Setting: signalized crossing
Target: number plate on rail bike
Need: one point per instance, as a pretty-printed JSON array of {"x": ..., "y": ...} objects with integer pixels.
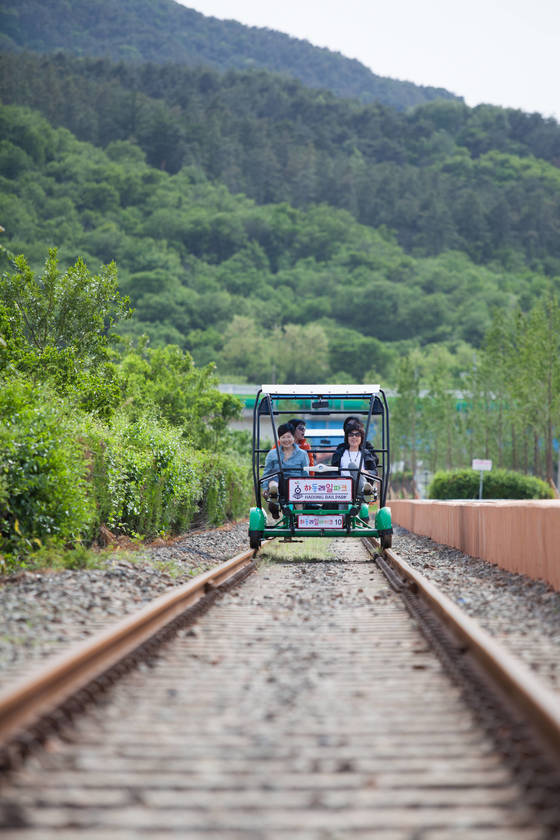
[
  {"x": 331, "y": 521},
  {"x": 315, "y": 489}
]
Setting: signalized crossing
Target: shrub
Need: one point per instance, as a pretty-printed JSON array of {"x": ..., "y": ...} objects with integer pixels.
[
  {"x": 227, "y": 487},
  {"x": 43, "y": 488},
  {"x": 60, "y": 479},
  {"x": 146, "y": 479},
  {"x": 140, "y": 470},
  {"x": 166, "y": 382},
  {"x": 497, "y": 484}
]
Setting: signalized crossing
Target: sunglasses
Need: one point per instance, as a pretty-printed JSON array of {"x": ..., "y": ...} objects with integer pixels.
[{"x": 354, "y": 434}]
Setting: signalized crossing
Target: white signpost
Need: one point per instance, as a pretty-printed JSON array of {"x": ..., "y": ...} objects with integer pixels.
[{"x": 482, "y": 465}]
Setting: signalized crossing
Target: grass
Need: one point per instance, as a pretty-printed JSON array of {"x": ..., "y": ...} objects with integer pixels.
[
  {"x": 55, "y": 557},
  {"x": 310, "y": 548},
  {"x": 58, "y": 558},
  {"x": 176, "y": 568}
]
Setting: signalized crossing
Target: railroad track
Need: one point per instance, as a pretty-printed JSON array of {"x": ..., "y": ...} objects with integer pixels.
[{"x": 305, "y": 704}]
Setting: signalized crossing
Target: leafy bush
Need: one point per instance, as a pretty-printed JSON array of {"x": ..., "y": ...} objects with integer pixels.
[
  {"x": 227, "y": 488},
  {"x": 497, "y": 484},
  {"x": 61, "y": 479},
  {"x": 139, "y": 469},
  {"x": 146, "y": 479},
  {"x": 43, "y": 488},
  {"x": 166, "y": 382},
  {"x": 240, "y": 441}
]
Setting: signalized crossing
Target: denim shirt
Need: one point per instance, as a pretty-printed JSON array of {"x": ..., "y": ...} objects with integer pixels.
[{"x": 294, "y": 467}]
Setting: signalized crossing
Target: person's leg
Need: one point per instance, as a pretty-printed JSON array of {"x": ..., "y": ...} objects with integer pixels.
[{"x": 271, "y": 496}]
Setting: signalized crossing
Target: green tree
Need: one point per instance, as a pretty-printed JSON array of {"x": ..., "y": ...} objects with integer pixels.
[
  {"x": 440, "y": 422},
  {"x": 538, "y": 371},
  {"x": 494, "y": 395},
  {"x": 71, "y": 311},
  {"x": 56, "y": 326},
  {"x": 302, "y": 353},
  {"x": 249, "y": 351},
  {"x": 406, "y": 416},
  {"x": 166, "y": 382}
]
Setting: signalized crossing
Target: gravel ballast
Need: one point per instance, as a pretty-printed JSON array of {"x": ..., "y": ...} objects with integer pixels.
[
  {"x": 521, "y": 613},
  {"x": 305, "y": 704},
  {"x": 43, "y": 613}
]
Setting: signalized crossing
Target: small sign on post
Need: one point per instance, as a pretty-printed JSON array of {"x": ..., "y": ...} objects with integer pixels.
[{"x": 482, "y": 465}]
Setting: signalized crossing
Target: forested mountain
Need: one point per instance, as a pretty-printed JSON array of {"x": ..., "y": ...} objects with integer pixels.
[
  {"x": 248, "y": 213},
  {"x": 303, "y": 293},
  {"x": 165, "y": 31},
  {"x": 272, "y": 228},
  {"x": 444, "y": 176}
]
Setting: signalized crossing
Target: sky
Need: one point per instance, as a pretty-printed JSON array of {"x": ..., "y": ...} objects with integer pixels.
[{"x": 502, "y": 52}]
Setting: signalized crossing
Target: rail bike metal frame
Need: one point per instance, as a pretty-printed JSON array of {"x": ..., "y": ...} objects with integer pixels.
[{"x": 273, "y": 402}]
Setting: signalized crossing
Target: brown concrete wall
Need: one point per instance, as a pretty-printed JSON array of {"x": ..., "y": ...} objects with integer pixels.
[{"x": 521, "y": 536}]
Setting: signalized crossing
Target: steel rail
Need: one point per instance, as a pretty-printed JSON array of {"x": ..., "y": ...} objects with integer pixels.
[
  {"x": 40, "y": 695},
  {"x": 514, "y": 678}
]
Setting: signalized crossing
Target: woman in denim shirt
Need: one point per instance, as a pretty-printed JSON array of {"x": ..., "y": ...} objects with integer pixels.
[{"x": 294, "y": 462}]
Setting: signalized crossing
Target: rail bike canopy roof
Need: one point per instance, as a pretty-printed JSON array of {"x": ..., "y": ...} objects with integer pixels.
[{"x": 320, "y": 390}]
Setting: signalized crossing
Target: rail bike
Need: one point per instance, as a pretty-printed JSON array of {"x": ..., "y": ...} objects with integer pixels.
[{"x": 326, "y": 500}]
